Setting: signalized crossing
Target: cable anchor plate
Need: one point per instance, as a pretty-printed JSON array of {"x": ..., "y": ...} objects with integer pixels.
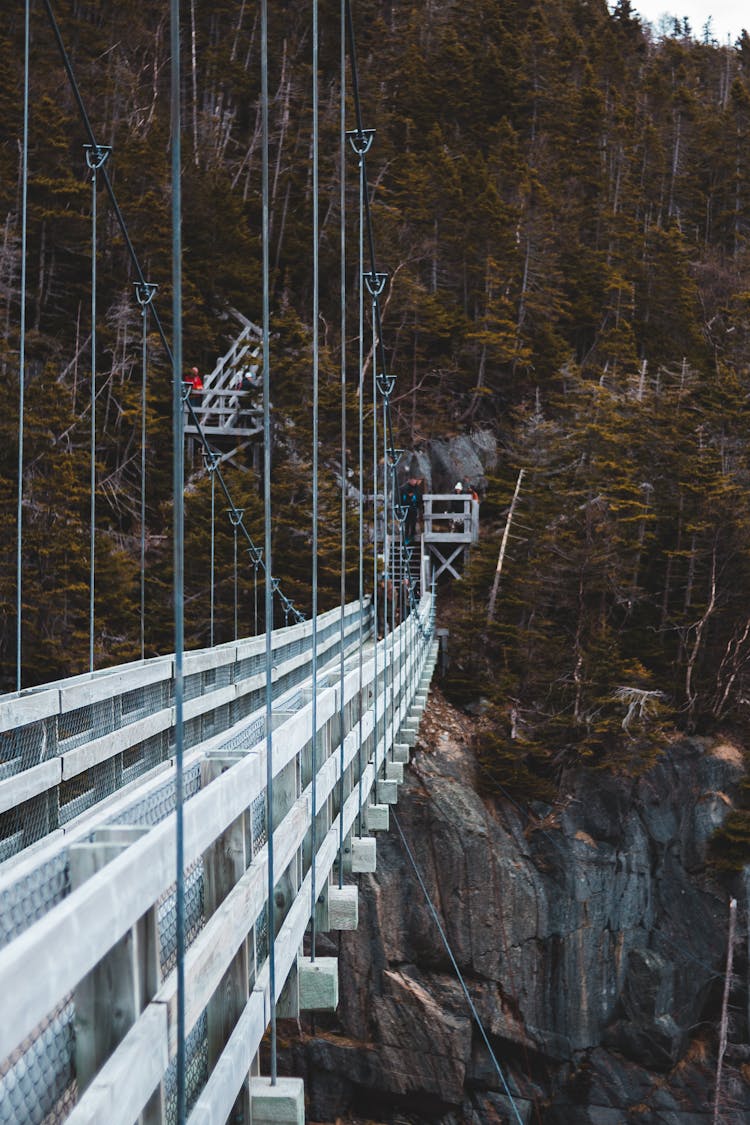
[
  {"x": 144, "y": 292},
  {"x": 375, "y": 283},
  {"x": 96, "y": 156},
  {"x": 360, "y": 140},
  {"x": 385, "y": 384}
]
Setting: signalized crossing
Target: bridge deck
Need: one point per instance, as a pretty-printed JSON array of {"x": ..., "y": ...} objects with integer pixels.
[{"x": 97, "y": 904}]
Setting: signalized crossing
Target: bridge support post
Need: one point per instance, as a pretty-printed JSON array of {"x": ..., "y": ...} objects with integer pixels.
[
  {"x": 224, "y": 864},
  {"x": 409, "y": 732},
  {"x": 318, "y": 984},
  {"x": 401, "y": 752},
  {"x": 377, "y": 818},
  {"x": 112, "y": 996},
  {"x": 337, "y": 908},
  {"x": 282, "y": 1104},
  {"x": 360, "y": 855},
  {"x": 387, "y": 791},
  {"x": 343, "y": 908},
  {"x": 394, "y": 771}
]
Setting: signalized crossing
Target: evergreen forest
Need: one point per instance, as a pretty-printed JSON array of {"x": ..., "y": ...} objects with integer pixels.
[{"x": 561, "y": 196}]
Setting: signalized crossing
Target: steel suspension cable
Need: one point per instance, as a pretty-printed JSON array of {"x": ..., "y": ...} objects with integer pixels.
[
  {"x": 287, "y": 605},
  {"x": 342, "y": 234},
  {"x": 315, "y": 380},
  {"x": 459, "y": 974},
  {"x": 178, "y": 488},
  {"x": 361, "y": 481},
  {"x": 144, "y": 368},
  {"x": 386, "y": 571},
  {"x": 22, "y": 344},
  {"x": 144, "y": 294},
  {"x": 375, "y": 576},
  {"x": 91, "y": 160},
  {"x": 267, "y": 536},
  {"x": 212, "y": 576}
]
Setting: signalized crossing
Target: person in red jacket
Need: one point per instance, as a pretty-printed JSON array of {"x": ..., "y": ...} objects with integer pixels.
[{"x": 195, "y": 381}]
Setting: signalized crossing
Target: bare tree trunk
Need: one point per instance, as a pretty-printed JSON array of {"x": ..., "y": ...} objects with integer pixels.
[
  {"x": 725, "y": 1008},
  {"x": 690, "y": 574},
  {"x": 503, "y": 547},
  {"x": 690, "y": 693},
  {"x": 413, "y": 380},
  {"x": 468, "y": 414},
  {"x": 285, "y": 88},
  {"x": 237, "y": 31},
  {"x": 194, "y": 67},
  {"x": 668, "y": 575}
]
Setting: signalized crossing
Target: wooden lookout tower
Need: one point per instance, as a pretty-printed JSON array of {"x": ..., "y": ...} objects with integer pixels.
[
  {"x": 451, "y": 526},
  {"x": 229, "y": 408}
]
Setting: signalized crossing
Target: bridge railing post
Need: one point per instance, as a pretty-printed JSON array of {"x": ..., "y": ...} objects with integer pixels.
[
  {"x": 224, "y": 864},
  {"x": 110, "y": 998}
]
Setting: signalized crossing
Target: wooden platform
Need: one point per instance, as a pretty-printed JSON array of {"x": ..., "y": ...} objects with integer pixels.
[
  {"x": 232, "y": 418},
  {"x": 451, "y": 525}
]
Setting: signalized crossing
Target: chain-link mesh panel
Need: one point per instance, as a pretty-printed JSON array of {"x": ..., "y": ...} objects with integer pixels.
[
  {"x": 261, "y": 937},
  {"x": 192, "y": 686},
  {"x": 75, "y": 727},
  {"x": 88, "y": 788},
  {"x": 37, "y": 1083},
  {"x": 26, "y": 746},
  {"x": 158, "y": 805},
  {"x": 249, "y": 666},
  {"x": 248, "y": 737},
  {"x": 33, "y": 896},
  {"x": 196, "y": 1070},
  {"x": 11, "y": 834},
  {"x": 144, "y": 756},
  {"x": 167, "y": 914},
  {"x": 143, "y": 701},
  {"x": 258, "y": 824},
  {"x": 191, "y": 735}
]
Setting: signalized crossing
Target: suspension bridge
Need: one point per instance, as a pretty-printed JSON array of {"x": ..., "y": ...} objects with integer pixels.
[{"x": 176, "y": 832}]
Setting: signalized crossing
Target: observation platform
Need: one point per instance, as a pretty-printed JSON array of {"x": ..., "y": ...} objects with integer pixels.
[
  {"x": 451, "y": 526},
  {"x": 229, "y": 416}
]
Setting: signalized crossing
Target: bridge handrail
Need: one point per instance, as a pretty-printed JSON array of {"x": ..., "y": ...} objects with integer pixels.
[
  {"x": 67, "y": 943},
  {"x": 448, "y": 515},
  {"x": 97, "y": 721}
]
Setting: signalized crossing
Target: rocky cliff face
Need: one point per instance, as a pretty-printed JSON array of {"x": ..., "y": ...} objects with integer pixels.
[
  {"x": 593, "y": 942},
  {"x": 466, "y": 457}
]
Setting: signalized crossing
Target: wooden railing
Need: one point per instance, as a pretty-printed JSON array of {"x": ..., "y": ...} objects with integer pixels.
[
  {"x": 66, "y": 746},
  {"x": 449, "y": 517},
  {"x": 97, "y": 959}
]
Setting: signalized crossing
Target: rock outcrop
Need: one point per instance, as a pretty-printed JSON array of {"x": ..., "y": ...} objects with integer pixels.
[
  {"x": 592, "y": 939},
  {"x": 466, "y": 457}
]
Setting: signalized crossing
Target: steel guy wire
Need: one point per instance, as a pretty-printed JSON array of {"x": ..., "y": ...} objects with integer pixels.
[
  {"x": 144, "y": 295},
  {"x": 315, "y": 381},
  {"x": 94, "y": 163},
  {"x": 375, "y": 575},
  {"x": 459, "y": 974},
  {"x": 342, "y": 232},
  {"x": 268, "y": 591},
  {"x": 144, "y": 367},
  {"x": 22, "y": 343},
  {"x": 361, "y": 482},
  {"x": 178, "y": 481},
  {"x": 386, "y": 571},
  {"x": 212, "y": 579},
  {"x": 141, "y": 278}
]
